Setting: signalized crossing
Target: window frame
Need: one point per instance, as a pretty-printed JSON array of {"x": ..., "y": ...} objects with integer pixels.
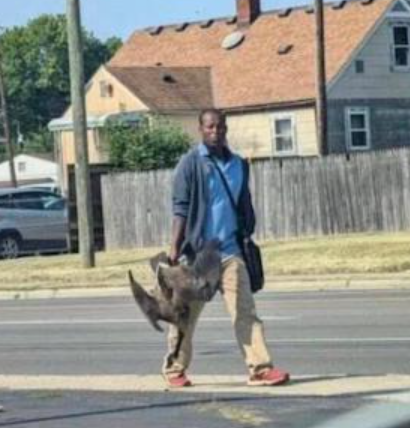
[
  {"x": 393, "y": 46},
  {"x": 106, "y": 89},
  {"x": 349, "y": 111},
  {"x": 283, "y": 116}
]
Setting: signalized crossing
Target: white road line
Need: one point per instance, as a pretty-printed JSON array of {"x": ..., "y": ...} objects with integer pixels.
[
  {"x": 330, "y": 340},
  {"x": 399, "y": 397},
  {"x": 260, "y": 303},
  {"x": 66, "y": 307},
  {"x": 119, "y": 321}
]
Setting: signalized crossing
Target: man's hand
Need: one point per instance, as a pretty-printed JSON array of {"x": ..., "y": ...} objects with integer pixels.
[
  {"x": 178, "y": 231},
  {"x": 173, "y": 256}
]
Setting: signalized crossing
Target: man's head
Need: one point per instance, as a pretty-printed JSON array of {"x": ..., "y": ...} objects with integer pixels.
[{"x": 212, "y": 126}]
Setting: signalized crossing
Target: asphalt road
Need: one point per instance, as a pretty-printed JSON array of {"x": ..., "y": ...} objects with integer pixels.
[
  {"x": 309, "y": 333},
  {"x": 314, "y": 334}
]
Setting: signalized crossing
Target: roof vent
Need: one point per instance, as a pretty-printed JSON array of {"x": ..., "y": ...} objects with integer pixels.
[
  {"x": 168, "y": 78},
  {"x": 233, "y": 40},
  {"x": 285, "y": 12},
  {"x": 367, "y": 2},
  {"x": 310, "y": 9},
  {"x": 232, "y": 20},
  {"x": 339, "y": 5},
  {"x": 182, "y": 27},
  {"x": 207, "y": 24},
  {"x": 155, "y": 30},
  {"x": 284, "y": 49}
]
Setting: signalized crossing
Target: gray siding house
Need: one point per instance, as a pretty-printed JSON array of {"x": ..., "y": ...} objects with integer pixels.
[{"x": 369, "y": 99}]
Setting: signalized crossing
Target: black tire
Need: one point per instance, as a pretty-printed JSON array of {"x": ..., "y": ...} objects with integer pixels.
[{"x": 10, "y": 245}]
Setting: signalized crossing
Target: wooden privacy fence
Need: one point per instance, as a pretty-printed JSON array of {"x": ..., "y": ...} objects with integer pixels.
[
  {"x": 96, "y": 172},
  {"x": 292, "y": 197},
  {"x": 137, "y": 209}
]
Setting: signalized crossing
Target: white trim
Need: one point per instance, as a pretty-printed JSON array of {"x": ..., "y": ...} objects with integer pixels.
[
  {"x": 348, "y": 128},
  {"x": 391, "y": 14},
  {"x": 63, "y": 124},
  {"x": 393, "y": 46},
  {"x": 283, "y": 116}
]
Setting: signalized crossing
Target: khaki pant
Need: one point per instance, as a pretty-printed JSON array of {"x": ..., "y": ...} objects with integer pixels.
[{"x": 248, "y": 327}]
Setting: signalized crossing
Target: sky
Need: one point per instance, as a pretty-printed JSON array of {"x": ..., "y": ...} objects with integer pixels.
[{"x": 106, "y": 18}]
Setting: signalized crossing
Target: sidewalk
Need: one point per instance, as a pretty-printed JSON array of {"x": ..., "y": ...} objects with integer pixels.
[
  {"x": 302, "y": 386},
  {"x": 288, "y": 283}
]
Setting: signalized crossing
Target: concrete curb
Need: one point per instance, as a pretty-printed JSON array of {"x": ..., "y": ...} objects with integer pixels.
[
  {"x": 308, "y": 385},
  {"x": 278, "y": 284}
]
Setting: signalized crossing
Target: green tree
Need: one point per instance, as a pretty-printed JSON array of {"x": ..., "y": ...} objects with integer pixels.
[
  {"x": 39, "y": 142},
  {"x": 36, "y": 69},
  {"x": 154, "y": 143}
]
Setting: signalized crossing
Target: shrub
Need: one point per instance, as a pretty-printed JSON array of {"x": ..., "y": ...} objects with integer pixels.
[{"x": 153, "y": 143}]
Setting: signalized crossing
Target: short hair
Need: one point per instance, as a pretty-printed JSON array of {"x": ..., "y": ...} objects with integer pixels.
[{"x": 213, "y": 111}]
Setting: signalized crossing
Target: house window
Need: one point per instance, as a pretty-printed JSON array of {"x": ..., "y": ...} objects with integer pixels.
[
  {"x": 283, "y": 134},
  {"x": 358, "y": 128},
  {"x": 359, "y": 66},
  {"x": 106, "y": 89},
  {"x": 401, "y": 47},
  {"x": 21, "y": 166}
]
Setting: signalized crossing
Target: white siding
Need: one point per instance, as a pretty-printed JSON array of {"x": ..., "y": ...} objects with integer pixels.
[
  {"x": 379, "y": 80},
  {"x": 29, "y": 168}
]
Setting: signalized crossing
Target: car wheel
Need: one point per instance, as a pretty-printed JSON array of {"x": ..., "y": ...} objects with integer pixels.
[{"x": 9, "y": 247}]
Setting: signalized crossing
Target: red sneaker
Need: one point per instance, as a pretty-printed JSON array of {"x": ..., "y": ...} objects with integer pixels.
[
  {"x": 177, "y": 380},
  {"x": 269, "y": 377}
]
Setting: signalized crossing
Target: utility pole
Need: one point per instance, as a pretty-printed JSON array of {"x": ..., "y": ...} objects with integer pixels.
[
  {"x": 5, "y": 124},
  {"x": 321, "y": 98},
  {"x": 82, "y": 173}
]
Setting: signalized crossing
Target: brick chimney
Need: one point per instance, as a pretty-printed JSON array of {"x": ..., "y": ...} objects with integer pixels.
[{"x": 247, "y": 11}]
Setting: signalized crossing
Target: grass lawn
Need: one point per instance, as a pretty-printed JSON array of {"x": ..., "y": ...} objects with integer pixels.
[
  {"x": 358, "y": 253},
  {"x": 347, "y": 254}
]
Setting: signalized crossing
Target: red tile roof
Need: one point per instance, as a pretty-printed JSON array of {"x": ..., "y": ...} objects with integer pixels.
[
  {"x": 254, "y": 73},
  {"x": 168, "y": 88}
]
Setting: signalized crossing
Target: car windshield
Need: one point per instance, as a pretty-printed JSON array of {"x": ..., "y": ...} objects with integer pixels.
[{"x": 54, "y": 204}]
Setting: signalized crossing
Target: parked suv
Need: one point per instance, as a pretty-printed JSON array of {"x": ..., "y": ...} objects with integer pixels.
[{"x": 32, "y": 221}]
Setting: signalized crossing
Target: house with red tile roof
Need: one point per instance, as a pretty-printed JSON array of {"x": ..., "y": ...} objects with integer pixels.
[{"x": 259, "y": 67}]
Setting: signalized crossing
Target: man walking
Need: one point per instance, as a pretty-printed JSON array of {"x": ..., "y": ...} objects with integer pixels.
[{"x": 203, "y": 211}]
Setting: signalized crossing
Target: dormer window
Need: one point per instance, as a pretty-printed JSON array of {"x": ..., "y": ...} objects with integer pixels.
[{"x": 401, "y": 47}]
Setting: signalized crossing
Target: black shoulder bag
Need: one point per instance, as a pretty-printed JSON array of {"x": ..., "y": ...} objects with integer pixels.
[{"x": 251, "y": 253}]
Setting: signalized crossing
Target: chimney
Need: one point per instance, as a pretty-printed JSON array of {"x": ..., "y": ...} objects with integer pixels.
[{"x": 247, "y": 11}]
